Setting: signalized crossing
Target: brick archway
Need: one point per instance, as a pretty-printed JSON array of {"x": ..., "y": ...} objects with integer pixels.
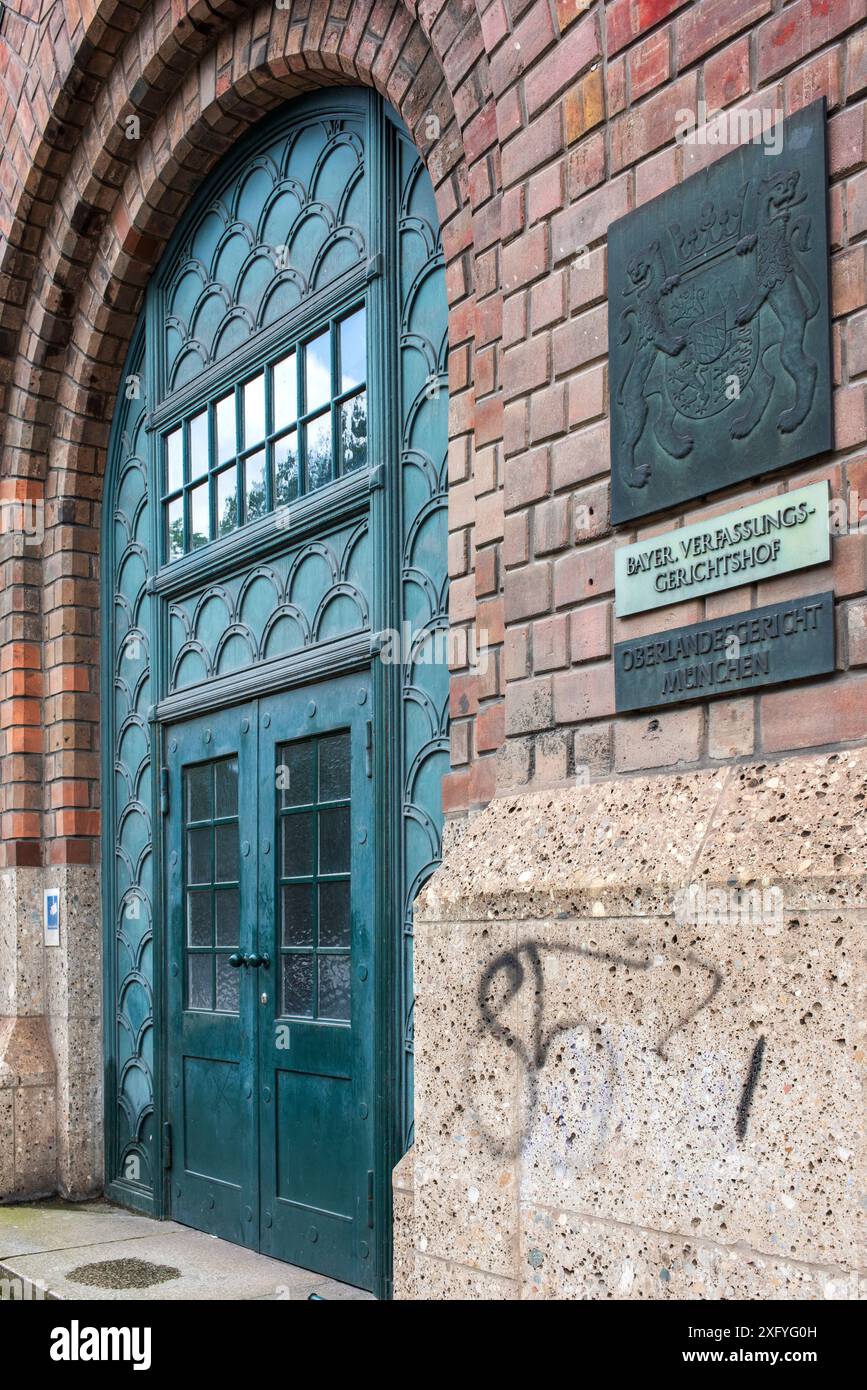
[
  {"x": 107, "y": 204},
  {"x": 85, "y": 231}
]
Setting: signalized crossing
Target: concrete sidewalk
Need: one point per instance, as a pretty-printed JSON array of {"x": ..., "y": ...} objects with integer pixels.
[{"x": 94, "y": 1250}]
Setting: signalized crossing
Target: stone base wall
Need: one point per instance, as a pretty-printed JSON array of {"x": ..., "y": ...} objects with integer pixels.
[
  {"x": 633, "y": 1080},
  {"x": 50, "y": 1036},
  {"x": 28, "y": 1097}
]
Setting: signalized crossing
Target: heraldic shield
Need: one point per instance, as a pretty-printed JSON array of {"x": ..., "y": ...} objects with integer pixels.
[{"x": 719, "y": 331}]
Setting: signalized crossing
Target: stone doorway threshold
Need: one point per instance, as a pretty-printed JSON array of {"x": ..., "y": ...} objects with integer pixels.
[{"x": 95, "y": 1250}]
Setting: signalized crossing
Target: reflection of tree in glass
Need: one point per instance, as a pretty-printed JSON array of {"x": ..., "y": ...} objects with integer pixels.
[
  {"x": 354, "y": 433},
  {"x": 256, "y": 499},
  {"x": 229, "y": 514},
  {"x": 176, "y": 536},
  {"x": 286, "y": 471}
]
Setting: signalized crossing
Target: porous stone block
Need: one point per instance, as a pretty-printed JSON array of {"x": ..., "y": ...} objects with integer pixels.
[
  {"x": 442, "y": 1279},
  {"x": 21, "y": 949},
  {"x": 465, "y": 1103},
  {"x": 35, "y": 1141},
  {"x": 403, "y": 1256},
  {"x": 7, "y": 1141},
  {"x": 74, "y": 998},
  {"x": 641, "y": 1004},
  {"x": 800, "y": 824},
  {"x": 695, "y": 1079},
  {"x": 51, "y": 1038},
  {"x": 610, "y": 847},
  {"x": 565, "y": 1256}
]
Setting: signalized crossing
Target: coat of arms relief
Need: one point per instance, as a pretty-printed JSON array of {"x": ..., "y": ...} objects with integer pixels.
[{"x": 719, "y": 337}]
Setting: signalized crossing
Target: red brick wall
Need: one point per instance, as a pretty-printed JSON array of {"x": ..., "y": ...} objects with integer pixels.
[
  {"x": 567, "y": 171},
  {"x": 554, "y": 116},
  {"x": 84, "y": 214}
]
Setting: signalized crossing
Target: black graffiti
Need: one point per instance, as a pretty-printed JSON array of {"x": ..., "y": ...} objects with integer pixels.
[
  {"x": 746, "y": 1099},
  {"x": 535, "y": 1055}
]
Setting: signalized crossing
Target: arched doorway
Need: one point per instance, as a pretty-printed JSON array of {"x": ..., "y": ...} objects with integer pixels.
[{"x": 275, "y": 691}]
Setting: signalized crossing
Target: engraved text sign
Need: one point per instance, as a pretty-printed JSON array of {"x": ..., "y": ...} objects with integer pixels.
[
  {"x": 767, "y": 538},
  {"x": 727, "y": 656}
]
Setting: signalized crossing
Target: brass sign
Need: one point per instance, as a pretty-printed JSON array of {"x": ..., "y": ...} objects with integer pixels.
[
  {"x": 727, "y": 656},
  {"x": 784, "y": 533}
]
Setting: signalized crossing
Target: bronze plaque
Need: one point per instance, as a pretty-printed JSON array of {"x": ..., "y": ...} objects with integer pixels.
[
  {"x": 727, "y": 656},
  {"x": 719, "y": 332}
]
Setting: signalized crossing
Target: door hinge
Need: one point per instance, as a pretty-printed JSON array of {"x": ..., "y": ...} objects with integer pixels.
[
  {"x": 368, "y": 748},
  {"x": 164, "y": 791},
  {"x": 370, "y": 1198},
  {"x": 167, "y": 1145}
]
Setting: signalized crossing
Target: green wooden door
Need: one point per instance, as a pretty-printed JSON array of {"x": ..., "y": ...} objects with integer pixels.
[
  {"x": 269, "y": 847},
  {"x": 316, "y": 1026},
  {"x": 211, "y": 917},
  {"x": 275, "y": 511}
]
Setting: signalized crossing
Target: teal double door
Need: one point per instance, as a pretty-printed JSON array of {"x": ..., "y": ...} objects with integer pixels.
[{"x": 270, "y": 956}]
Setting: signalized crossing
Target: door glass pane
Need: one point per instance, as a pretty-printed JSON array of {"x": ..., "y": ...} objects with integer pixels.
[
  {"x": 199, "y": 520},
  {"x": 228, "y": 916},
  {"x": 226, "y": 428},
  {"x": 254, "y": 484},
  {"x": 319, "y": 451},
  {"x": 228, "y": 986},
  {"x": 334, "y": 840},
  {"x": 199, "y": 445},
  {"x": 200, "y": 982},
  {"x": 298, "y": 914},
  {"x": 334, "y": 767},
  {"x": 316, "y": 914},
  {"x": 254, "y": 410},
  {"x": 213, "y": 914},
  {"x": 286, "y": 469},
  {"x": 297, "y": 844},
  {"x": 334, "y": 927},
  {"x": 199, "y": 918},
  {"x": 353, "y": 351},
  {"x": 227, "y": 787},
  {"x": 226, "y": 852},
  {"x": 295, "y": 765},
  {"x": 298, "y": 983},
  {"x": 199, "y": 855},
  {"x": 285, "y": 387},
  {"x": 199, "y": 784},
  {"x": 317, "y": 372},
  {"x": 333, "y": 986}
]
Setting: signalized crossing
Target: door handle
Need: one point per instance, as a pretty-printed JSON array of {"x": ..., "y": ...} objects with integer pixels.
[
  {"x": 237, "y": 959},
  {"x": 254, "y": 960}
]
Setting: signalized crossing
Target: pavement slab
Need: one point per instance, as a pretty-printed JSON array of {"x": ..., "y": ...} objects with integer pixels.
[{"x": 98, "y": 1251}]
